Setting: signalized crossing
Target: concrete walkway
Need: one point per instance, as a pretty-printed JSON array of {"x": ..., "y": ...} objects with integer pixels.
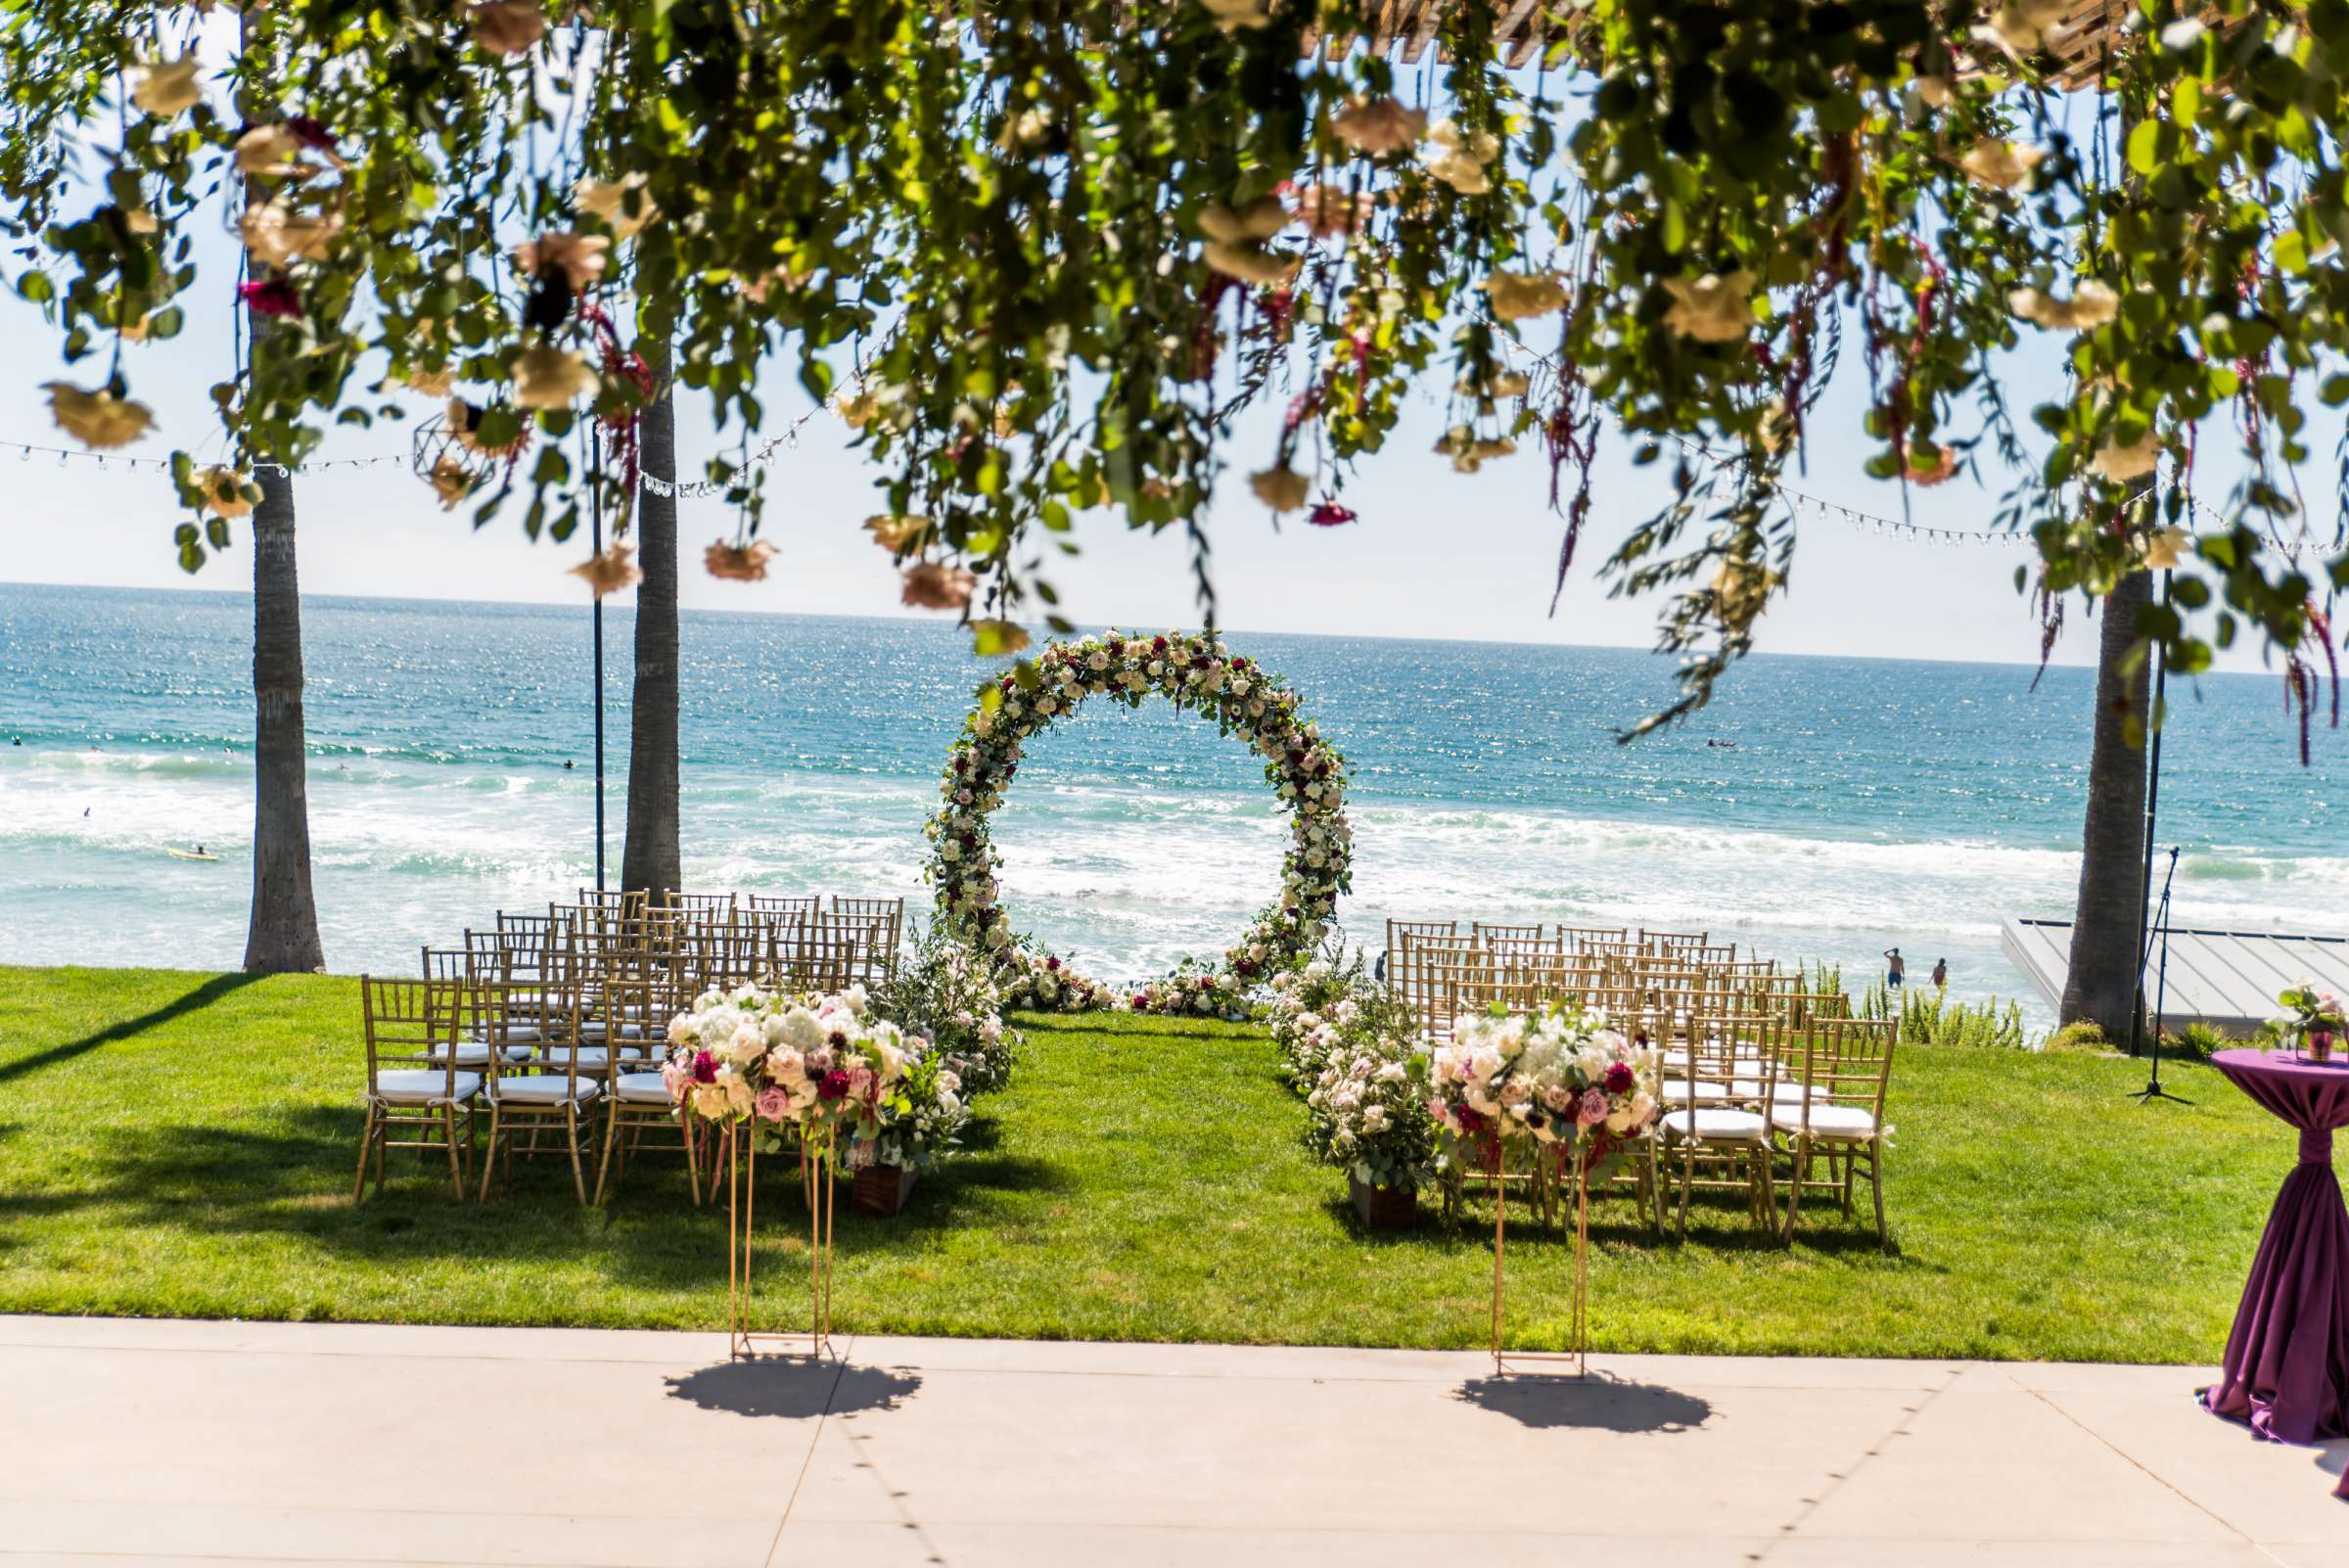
[{"x": 130, "y": 1442}]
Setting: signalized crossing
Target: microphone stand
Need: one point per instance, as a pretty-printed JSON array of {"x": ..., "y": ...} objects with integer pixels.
[{"x": 2161, "y": 990}]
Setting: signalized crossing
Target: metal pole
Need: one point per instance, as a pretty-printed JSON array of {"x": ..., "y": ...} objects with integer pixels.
[
  {"x": 2144, "y": 937},
  {"x": 595, "y": 524}
]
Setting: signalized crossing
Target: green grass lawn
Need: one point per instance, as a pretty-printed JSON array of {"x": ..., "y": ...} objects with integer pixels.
[{"x": 176, "y": 1143}]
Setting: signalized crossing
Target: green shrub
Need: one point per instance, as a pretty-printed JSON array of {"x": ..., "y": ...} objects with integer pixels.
[
  {"x": 1933, "y": 1019},
  {"x": 2196, "y": 1039},
  {"x": 2083, "y": 1035}
]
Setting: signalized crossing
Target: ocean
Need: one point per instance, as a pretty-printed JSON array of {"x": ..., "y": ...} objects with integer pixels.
[{"x": 1846, "y": 805}]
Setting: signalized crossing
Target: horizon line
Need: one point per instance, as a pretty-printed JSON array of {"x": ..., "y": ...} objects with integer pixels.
[{"x": 942, "y": 624}]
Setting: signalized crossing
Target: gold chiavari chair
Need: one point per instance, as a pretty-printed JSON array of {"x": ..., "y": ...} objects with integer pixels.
[
  {"x": 1716, "y": 1127},
  {"x": 889, "y": 932},
  {"x": 1501, "y": 933},
  {"x": 1839, "y": 1118},
  {"x": 1587, "y": 939},
  {"x": 1397, "y": 932},
  {"x": 620, "y": 901},
  {"x": 1803, "y": 1008},
  {"x": 637, "y": 1101},
  {"x": 1512, "y": 953},
  {"x": 545, "y": 1096},
  {"x": 1715, "y": 954},
  {"x": 1664, "y": 944},
  {"x": 830, "y": 954},
  {"x": 413, "y": 1082},
  {"x": 805, "y": 905},
  {"x": 714, "y": 906},
  {"x": 1406, "y": 973}
]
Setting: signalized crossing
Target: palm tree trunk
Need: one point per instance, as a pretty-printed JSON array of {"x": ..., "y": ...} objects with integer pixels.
[
  {"x": 283, "y": 933},
  {"x": 650, "y": 860},
  {"x": 2101, "y": 985}
]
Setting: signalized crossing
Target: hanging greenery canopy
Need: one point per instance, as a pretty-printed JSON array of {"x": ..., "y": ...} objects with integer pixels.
[{"x": 1042, "y": 253}]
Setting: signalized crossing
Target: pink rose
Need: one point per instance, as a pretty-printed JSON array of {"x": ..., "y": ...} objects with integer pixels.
[
  {"x": 1594, "y": 1108},
  {"x": 860, "y": 1081},
  {"x": 772, "y": 1102}
]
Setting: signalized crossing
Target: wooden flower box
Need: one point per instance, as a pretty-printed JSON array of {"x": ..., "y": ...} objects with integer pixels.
[
  {"x": 882, "y": 1190},
  {"x": 1384, "y": 1207}
]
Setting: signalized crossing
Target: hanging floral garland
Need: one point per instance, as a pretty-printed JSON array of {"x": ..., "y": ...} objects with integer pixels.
[{"x": 1193, "y": 671}]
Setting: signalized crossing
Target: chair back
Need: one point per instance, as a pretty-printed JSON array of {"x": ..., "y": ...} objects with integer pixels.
[
  {"x": 411, "y": 1026},
  {"x": 1848, "y": 1062}
]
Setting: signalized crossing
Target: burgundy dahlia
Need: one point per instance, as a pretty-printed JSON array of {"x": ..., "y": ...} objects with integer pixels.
[
  {"x": 271, "y": 297},
  {"x": 1620, "y": 1078},
  {"x": 705, "y": 1068},
  {"x": 833, "y": 1085}
]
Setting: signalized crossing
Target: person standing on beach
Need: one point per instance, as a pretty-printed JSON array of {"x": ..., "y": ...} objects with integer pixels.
[
  {"x": 1896, "y": 968},
  {"x": 1941, "y": 973}
]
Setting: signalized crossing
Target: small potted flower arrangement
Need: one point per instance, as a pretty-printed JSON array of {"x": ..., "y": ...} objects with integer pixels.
[
  {"x": 2316, "y": 1021},
  {"x": 1348, "y": 1048}
]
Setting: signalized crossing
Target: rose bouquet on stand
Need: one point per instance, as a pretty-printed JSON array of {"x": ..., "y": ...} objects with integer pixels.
[
  {"x": 1557, "y": 1095},
  {"x": 763, "y": 1066}
]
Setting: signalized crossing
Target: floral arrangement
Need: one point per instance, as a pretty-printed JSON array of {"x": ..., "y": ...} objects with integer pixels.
[
  {"x": 1192, "y": 671},
  {"x": 823, "y": 1065},
  {"x": 1559, "y": 1081},
  {"x": 944, "y": 991},
  {"x": 1044, "y": 983},
  {"x": 2317, "y": 1018},
  {"x": 1350, "y": 1051},
  {"x": 1194, "y": 987}
]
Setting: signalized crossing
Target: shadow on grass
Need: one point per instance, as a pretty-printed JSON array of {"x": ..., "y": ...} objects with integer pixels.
[
  {"x": 1594, "y": 1404},
  {"x": 204, "y": 995},
  {"x": 793, "y": 1388},
  {"x": 293, "y": 1177}
]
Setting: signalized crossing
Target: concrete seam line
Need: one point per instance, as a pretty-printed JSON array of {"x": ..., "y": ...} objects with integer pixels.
[
  {"x": 1899, "y": 1428},
  {"x": 2139, "y": 1466}
]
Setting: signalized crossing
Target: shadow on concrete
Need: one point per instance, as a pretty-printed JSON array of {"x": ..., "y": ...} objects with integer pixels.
[
  {"x": 1596, "y": 1402},
  {"x": 793, "y": 1388}
]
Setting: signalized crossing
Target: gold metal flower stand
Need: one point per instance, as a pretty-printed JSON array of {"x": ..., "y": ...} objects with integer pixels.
[
  {"x": 1578, "y": 1330},
  {"x": 815, "y": 1174}
]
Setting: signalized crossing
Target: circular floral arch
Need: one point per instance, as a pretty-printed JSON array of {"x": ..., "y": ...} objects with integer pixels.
[{"x": 1192, "y": 671}]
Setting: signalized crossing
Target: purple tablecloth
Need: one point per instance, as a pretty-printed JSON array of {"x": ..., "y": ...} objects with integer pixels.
[{"x": 2286, "y": 1371}]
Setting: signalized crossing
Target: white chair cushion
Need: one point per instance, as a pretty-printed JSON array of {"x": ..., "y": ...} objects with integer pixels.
[
  {"x": 1677, "y": 1091},
  {"x": 514, "y": 1034},
  {"x": 592, "y": 1058},
  {"x": 469, "y": 1054},
  {"x": 640, "y": 1088},
  {"x": 552, "y": 1090},
  {"x": 1826, "y": 1121},
  {"x": 1723, "y": 1124},
  {"x": 420, "y": 1087},
  {"x": 595, "y": 1030}
]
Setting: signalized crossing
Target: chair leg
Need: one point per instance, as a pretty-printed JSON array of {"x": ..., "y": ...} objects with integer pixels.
[
  {"x": 366, "y": 1148},
  {"x": 578, "y": 1178},
  {"x": 1875, "y": 1181},
  {"x": 448, "y": 1129},
  {"x": 693, "y": 1155},
  {"x": 489, "y": 1156},
  {"x": 1794, "y": 1184},
  {"x": 603, "y": 1167},
  {"x": 1687, "y": 1182},
  {"x": 1768, "y": 1159}
]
